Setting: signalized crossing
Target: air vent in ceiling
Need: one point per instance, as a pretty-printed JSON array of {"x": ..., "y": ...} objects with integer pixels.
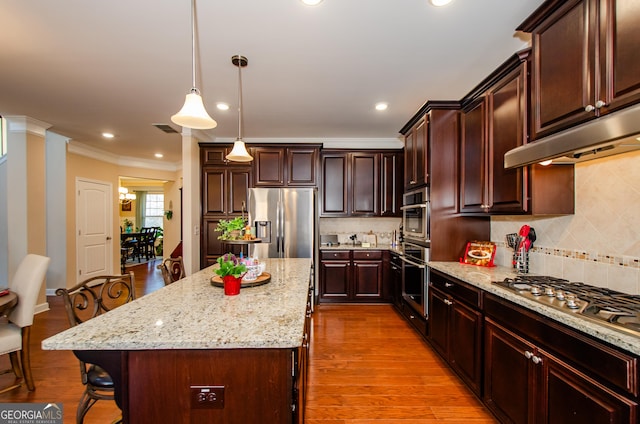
[{"x": 166, "y": 128}]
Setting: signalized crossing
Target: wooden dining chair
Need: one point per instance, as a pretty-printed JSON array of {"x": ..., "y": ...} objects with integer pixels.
[
  {"x": 172, "y": 270},
  {"x": 15, "y": 334},
  {"x": 87, "y": 300}
]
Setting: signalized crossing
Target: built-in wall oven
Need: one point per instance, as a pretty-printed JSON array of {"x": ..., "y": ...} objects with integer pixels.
[
  {"x": 415, "y": 278},
  {"x": 415, "y": 215}
]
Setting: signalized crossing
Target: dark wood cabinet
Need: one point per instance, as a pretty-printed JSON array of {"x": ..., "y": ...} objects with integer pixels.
[
  {"x": 285, "y": 166},
  {"x": 391, "y": 183},
  {"x": 360, "y": 183},
  {"x": 224, "y": 196},
  {"x": 494, "y": 121},
  {"x": 416, "y": 154},
  {"x": 540, "y": 372},
  {"x": 395, "y": 279},
  {"x": 585, "y": 61},
  {"x": 455, "y": 327},
  {"x": 352, "y": 276}
]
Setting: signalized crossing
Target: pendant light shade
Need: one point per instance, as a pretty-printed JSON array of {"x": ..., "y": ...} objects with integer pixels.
[
  {"x": 239, "y": 152},
  {"x": 193, "y": 114}
]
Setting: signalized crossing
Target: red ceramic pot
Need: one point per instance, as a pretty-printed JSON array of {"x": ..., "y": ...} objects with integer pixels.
[{"x": 231, "y": 285}]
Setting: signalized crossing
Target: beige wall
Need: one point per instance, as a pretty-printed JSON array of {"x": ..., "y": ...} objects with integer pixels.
[
  {"x": 600, "y": 243},
  {"x": 36, "y": 201},
  {"x": 83, "y": 167}
]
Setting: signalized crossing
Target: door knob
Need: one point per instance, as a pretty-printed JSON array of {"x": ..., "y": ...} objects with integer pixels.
[{"x": 108, "y": 237}]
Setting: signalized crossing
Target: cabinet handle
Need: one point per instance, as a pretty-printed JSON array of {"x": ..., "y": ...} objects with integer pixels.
[
  {"x": 449, "y": 284},
  {"x": 448, "y": 302},
  {"x": 589, "y": 108},
  {"x": 412, "y": 182},
  {"x": 528, "y": 354},
  {"x": 600, "y": 104},
  {"x": 536, "y": 360}
]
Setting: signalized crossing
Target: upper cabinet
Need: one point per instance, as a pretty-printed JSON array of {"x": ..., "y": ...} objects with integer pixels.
[
  {"x": 361, "y": 183},
  {"x": 494, "y": 121},
  {"x": 285, "y": 166},
  {"x": 416, "y": 153},
  {"x": 585, "y": 61}
]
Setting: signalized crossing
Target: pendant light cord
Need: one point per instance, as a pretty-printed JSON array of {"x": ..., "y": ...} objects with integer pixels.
[
  {"x": 239, "y": 98},
  {"x": 193, "y": 46}
]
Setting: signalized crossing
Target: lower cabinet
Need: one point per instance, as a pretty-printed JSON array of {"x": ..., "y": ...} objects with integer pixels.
[
  {"x": 351, "y": 276},
  {"x": 455, "y": 327},
  {"x": 536, "y": 372}
]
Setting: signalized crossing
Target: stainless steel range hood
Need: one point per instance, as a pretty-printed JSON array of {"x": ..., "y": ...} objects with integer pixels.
[{"x": 605, "y": 136}]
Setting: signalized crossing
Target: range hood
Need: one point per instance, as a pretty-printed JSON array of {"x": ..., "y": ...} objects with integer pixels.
[{"x": 611, "y": 134}]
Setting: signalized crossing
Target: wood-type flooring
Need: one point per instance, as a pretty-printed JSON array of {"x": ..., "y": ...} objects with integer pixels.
[{"x": 366, "y": 366}]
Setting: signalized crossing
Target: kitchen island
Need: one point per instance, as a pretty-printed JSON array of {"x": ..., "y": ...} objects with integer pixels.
[{"x": 167, "y": 348}]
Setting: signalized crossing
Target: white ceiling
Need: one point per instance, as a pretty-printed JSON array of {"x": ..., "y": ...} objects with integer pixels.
[{"x": 314, "y": 72}]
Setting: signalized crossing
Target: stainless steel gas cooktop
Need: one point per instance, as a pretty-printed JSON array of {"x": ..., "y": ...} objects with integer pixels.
[{"x": 617, "y": 310}]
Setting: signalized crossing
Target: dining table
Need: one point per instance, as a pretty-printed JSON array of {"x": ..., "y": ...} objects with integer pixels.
[{"x": 8, "y": 301}]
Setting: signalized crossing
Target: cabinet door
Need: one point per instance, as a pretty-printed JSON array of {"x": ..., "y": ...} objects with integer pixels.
[
  {"x": 465, "y": 344},
  {"x": 508, "y": 385},
  {"x": 334, "y": 185},
  {"x": 415, "y": 155},
  {"x": 507, "y": 109},
  {"x": 439, "y": 321},
  {"x": 570, "y": 396},
  {"x": 473, "y": 154},
  {"x": 619, "y": 58},
  {"x": 213, "y": 191},
  {"x": 563, "y": 68},
  {"x": 238, "y": 180},
  {"x": 390, "y": 185},
  {"x": 210, "y": 155},
  {"x": 301, "y": 166},
  {"x": 367, "y": 280},
  {"x": 269, "y": 166},
  {"x": 365, "y": 189},
  {"x": 334, "y": 280}
]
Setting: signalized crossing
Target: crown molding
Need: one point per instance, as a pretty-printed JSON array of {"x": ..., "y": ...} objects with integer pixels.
[{"x": 21, "y": 123}]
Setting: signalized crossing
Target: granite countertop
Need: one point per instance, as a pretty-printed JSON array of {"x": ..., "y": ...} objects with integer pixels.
[
  {"x": 193, "y": 314},
  {"x": 482, "y": 277},
  {"x": 349, "y": 246}
]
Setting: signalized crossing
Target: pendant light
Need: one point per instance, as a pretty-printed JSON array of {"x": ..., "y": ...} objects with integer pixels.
[
  {"x": 193, "y": 114},
  {"x": 239, "y": 152}
]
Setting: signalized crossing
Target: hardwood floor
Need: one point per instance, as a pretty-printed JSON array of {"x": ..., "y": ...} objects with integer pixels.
[{"x": 366, "y": 366}]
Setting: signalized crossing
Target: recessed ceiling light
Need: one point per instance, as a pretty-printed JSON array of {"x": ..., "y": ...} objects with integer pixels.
[
  {"x": 312, "y": 2},
  {"x": 439, "y": 3},
  {"x": 381, "y": 106},
  {"x": 107, "y": 135},
  {"x": 222, "y": 106},
  {"x": 158, "y": 155}
]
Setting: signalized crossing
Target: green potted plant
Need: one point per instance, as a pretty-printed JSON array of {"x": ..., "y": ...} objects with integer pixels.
[
  {"x": 231, "y": 229},
  {"x": 128, "y": 225},
  {"x": 231, "y": 270}
]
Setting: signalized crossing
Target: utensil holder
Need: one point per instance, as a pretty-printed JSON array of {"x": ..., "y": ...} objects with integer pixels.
[{"x": 521, "y": 261}]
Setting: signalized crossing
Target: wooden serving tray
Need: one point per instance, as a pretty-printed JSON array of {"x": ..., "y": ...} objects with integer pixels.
[{"x": 263, "y": 278}]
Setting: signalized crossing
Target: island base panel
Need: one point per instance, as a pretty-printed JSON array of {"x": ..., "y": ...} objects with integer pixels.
[{"x": 257, "y": 385}]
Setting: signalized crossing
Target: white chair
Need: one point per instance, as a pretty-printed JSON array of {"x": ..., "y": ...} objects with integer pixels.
[{"x": 16, "y": 333}]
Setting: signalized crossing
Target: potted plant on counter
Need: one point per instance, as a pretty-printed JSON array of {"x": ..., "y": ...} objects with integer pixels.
[
  {"x": 231, "y": 270},
  {"x": 231, "y": 229}
]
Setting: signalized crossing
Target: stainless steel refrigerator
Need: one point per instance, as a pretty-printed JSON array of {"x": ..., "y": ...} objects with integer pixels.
[{"x": 285, "y": 219}]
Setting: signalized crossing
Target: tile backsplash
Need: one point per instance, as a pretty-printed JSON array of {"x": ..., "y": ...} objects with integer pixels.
[
  {"x": 600, "y": 243},
  {"x": 345, "y": 227}
]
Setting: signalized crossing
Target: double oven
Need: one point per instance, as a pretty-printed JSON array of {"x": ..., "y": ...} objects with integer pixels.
[{"x": 415, "y": 247}]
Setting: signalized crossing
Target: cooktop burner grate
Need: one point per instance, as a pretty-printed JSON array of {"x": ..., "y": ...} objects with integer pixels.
[{"x": 610, "y": 307}]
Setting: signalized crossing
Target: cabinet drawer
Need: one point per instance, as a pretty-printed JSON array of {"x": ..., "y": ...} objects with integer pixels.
[
  {"x": 367, "y": 254},
  {"x": 334, "y": 254},
  {"x": 457, "y": 289}
]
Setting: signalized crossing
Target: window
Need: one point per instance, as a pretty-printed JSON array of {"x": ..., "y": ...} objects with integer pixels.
[
  {"x": 154, "y": 210},
  {"x": 3, "y": 138}
]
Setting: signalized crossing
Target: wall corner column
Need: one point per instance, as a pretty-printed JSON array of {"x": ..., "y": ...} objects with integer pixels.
[{"x": 190, "y": 201}]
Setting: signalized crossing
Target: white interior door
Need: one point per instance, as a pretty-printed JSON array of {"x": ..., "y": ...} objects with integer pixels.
[{"x": 93, "y": 229}]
